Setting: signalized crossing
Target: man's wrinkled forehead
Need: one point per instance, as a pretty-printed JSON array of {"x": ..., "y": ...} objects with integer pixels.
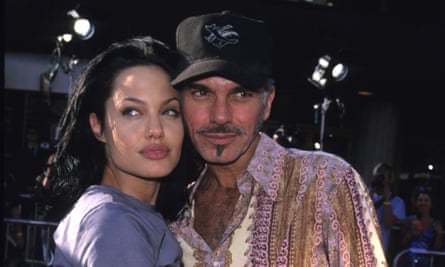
[{"x": 215, "y": 82}]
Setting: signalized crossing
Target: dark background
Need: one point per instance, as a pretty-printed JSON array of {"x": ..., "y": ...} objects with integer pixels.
[{"x": 393, "y": 48}]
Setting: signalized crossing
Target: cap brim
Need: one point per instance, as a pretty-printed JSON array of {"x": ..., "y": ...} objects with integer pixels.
[{"x": 243, "y": 75}]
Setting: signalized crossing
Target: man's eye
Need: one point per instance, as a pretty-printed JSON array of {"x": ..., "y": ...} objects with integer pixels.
[
  {"x": 244, "y": 93},
  {"x": 199, "y": 92}
]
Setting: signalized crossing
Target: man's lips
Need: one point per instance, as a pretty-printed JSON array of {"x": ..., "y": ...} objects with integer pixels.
[
  {"x": 155, "y": 152},
  {"x": 220, "y": 138}
]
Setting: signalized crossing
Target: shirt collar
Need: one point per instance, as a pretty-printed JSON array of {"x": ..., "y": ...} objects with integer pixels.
[
  {"x": 263, "y": 163},
  {"x": 261, "y": 167}
]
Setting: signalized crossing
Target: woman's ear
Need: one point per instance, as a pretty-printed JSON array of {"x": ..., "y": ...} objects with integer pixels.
[{"x": 96, "y": 127}]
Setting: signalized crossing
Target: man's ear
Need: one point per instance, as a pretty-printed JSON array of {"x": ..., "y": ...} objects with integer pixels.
[
  {"x": 96, "y": 127},
  {"x": 269, "y": 101}
]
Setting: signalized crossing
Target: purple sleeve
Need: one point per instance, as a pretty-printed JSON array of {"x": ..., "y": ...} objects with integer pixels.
[{"x": 111, "y": 237}]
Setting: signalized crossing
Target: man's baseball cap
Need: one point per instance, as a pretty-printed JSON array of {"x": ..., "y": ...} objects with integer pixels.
[{"x": 224, "y": 44}]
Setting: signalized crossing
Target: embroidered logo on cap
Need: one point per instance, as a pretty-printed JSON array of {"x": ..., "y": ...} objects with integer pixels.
[{"x": 221, "y": 36}]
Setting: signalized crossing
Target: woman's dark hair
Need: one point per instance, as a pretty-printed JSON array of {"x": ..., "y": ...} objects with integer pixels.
[
  {"x": 422, "y": 190},
  {"x": 80, "y": 157}
]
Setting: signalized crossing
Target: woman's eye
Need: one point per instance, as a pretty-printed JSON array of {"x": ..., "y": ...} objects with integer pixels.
[
  {"x": 171, "y": 112},
  {"x": 130, "y": 112}
]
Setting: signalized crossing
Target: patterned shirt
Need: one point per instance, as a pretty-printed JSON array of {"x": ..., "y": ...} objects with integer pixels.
[{"x": 296, "y": 208}]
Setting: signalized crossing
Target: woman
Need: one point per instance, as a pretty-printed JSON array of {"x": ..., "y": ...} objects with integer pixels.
[
  {"x": 120, "y": 134},
  {"x": 422, "y": 231}
]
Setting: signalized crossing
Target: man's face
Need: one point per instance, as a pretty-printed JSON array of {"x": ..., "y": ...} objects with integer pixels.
[{"x": 223, "y": 118}]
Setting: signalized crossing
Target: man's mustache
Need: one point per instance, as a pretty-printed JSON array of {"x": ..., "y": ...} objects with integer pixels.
[{"x": 220, "y": 129}]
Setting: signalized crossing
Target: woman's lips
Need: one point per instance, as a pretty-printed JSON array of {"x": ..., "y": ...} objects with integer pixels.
[{"x": 155, "y": 152}]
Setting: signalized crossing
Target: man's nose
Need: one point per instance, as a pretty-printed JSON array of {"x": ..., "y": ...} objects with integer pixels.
[{"x": 221, "y": 111}]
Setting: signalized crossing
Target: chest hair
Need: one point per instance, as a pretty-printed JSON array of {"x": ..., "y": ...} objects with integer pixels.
[{"x": 213, "y": 213}]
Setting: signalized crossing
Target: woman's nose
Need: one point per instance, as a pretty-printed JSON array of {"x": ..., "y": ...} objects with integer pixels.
[{"x": 153, "y": 129}]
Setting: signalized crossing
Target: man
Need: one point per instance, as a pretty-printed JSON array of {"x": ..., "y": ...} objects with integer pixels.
[
  {"x": 257, "y": 203},
  {"x": 390, "y": 208}
]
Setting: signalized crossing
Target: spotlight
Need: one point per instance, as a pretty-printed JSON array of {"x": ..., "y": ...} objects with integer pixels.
[
  {"x": 279, "y": 133},
  {"x": 339, "y": 72},
  {"x": 65, "y": 38},
  {"x": 328, "y": 70},
  {"x": 83, "y": 28},
  {"x": 317, "y": 146}
]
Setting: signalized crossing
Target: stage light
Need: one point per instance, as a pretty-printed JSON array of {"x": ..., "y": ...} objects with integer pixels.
[
  {"x": 317, "y": 146},
  {"x": 83, "y": 28},
  {"x": 279, "y": 133},
  {"x": 327, "y": 70},
  {"x": 339, "y": 72},
  {"x": 65, "y": 38}
]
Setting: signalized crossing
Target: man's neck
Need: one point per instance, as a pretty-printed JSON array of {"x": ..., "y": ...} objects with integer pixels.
[{"x": 221, "y": 176}]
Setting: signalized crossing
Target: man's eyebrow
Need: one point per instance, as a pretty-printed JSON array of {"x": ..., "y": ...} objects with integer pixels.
[
  {"x": 196, "y": 85},
  {"x": 199, "y": 86}
]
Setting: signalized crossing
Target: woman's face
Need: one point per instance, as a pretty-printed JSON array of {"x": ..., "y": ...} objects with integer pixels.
[
  {"x": 143, "y": 129},
  {"x": 423, "y": 202}
]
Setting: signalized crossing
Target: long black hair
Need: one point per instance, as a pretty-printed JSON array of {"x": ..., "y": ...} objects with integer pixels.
[{"x": 80, "y": 158}]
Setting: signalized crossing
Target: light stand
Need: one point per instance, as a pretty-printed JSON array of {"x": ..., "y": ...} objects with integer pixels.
[
  {"x": 82, "y": 29},
  {"x": 324, "y": 109},
  {"x": 325, "y": 72}
]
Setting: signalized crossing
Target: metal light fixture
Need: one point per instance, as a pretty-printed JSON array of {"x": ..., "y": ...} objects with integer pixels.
[
  {"x": 279, "y": 133},
  {"x": 83, "y": 28},
  {"x": 328, "y": 70}
]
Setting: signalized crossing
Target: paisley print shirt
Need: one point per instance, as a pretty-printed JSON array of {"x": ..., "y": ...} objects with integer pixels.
[{"x": 297, "y": 208}]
